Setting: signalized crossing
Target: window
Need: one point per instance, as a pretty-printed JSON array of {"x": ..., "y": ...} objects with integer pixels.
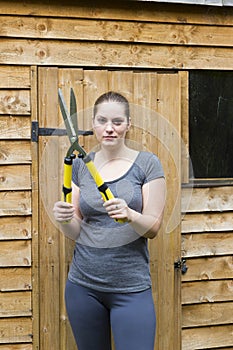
[{"x": 211, "y": 123}]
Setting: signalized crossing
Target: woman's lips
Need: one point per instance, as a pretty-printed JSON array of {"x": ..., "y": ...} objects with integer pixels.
[{"x": 109, "y": 137}]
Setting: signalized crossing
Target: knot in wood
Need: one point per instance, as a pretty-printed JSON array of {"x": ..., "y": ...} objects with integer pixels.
[{"x": 42, "y": 27}]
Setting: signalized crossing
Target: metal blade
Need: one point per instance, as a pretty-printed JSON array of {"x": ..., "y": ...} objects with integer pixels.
[
  {"x": 67, "y": 120},
  {"x": 73, "y": 110}
]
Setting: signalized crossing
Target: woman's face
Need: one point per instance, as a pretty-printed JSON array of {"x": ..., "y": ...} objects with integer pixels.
[{"x": 110, "y": 123}]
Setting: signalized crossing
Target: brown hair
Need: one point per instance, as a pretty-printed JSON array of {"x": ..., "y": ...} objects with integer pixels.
[{"x": 112, "y": 96}]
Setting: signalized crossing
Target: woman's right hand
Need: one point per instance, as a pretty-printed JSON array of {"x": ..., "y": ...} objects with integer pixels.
[{"x": 63, "y": 211}]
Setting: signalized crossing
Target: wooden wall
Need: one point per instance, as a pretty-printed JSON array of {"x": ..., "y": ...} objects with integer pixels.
[
  {"x": 120, "y": 36},
  {"x": 207, "y": 245},
  {"x": 133, "y": 34},
  {"x": 15, "y": 207}
]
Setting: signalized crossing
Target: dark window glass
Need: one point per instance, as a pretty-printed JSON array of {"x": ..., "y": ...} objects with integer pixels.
[{"x": 211, "y": 123}]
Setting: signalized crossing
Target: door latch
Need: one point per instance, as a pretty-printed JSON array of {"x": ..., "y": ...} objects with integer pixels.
[
  {"x": 181, "y": 264},
  {"x": 36, "y": 131}
]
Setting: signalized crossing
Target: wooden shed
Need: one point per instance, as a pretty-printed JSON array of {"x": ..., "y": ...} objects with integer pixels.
[{"x": 168, "y": 58}]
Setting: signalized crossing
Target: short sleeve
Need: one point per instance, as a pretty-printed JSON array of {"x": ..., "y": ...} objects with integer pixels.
[{"x": 153, "y": 168}]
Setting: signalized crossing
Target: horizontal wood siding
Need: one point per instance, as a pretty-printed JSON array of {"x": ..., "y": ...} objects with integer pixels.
[
  {"x": 15, "y": 209},
  {"x": 207, "y": 287},
  {"x": 152, "y": 36}
]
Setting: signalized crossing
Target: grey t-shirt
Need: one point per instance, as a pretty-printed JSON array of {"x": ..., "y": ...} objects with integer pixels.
[{"x": 110, "y": 256}]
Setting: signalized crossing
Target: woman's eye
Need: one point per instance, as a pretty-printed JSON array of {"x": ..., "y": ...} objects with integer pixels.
[
  {"x": 117, "y": 122},
  {"x": 114, "y": 121},
  {"x": 102, "y": 120}
]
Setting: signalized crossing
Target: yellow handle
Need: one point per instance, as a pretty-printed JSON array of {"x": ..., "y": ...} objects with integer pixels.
[
  {"x": 102, "y": 187},
  {"x": 67, "y": 178}
]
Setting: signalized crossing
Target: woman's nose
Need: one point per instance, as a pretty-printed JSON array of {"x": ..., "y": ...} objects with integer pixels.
[{"x": 109, "y": 126}]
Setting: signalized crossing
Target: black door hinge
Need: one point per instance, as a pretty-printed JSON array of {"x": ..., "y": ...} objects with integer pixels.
[
  {"x": 36, "y": 131},
  {"x": 181, "y": 264}
]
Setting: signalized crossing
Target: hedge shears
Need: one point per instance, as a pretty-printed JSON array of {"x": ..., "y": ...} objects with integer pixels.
[{"x": 71, "y": 124}]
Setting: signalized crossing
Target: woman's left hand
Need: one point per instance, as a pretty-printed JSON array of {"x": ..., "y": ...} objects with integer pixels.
[{"x": 117, "y": 208}]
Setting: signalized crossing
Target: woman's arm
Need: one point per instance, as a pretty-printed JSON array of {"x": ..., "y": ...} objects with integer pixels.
[
  {"x": 149, "y": 221},
  {"x": 68, "y": 215}
]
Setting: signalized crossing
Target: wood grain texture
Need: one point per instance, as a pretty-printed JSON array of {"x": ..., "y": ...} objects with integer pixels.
[
  {"x": 15, "y": 203},
  {"x": 122, "y": 10},
  {"x": 209, "y": 268},
  {"x": 208, "y": 199},
  {"x": 16, "y": 227},
  {"x": 16, "y": 255},
  {"x": 16, "y": 330},
  {"x": 208, "y": 337},
  {"x": 15, "y": 177},
  {"x": 14, "y": 76},
  {"x": 15, "y": 279},
  {"x": 24, "y": 346},
  {"x": 15, "y": 102},
  {"x": 118, "y": 55},
  {"x": 14, "y": 127},
  {"x": 15, "y": 304},
  {"x": 207, "y": 291},
  {"x": 207, "y": 244},
  {"x": 116, "y": 31},
  {"x": 208, "y": 314},
  {"x": 15, "y": 152}
]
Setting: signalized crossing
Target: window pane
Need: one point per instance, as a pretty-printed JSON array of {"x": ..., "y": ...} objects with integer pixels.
[{"x": 211, "y": 123}]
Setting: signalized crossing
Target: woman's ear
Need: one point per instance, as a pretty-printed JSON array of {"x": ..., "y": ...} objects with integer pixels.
[{"x": 129, "y": 124}]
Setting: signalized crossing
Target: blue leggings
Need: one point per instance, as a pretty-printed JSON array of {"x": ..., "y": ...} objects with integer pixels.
[{"x": 93, "y": 314}]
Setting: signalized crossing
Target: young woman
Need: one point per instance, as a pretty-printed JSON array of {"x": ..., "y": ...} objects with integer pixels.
[{"x": 109, "y": 285}]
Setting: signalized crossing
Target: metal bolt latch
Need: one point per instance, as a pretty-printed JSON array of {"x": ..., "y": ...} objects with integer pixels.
[{"x": 181, "y": 264}]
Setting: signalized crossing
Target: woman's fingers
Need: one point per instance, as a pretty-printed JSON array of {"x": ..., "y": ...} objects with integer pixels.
[
  {"x": 63, "y": 211},
  {"x": 116, "y": 208}
]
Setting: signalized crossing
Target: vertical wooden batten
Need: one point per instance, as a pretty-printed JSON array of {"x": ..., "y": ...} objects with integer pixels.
[
  {"x": 35, "y": 217},
  {"x": 49, "y": 294}
]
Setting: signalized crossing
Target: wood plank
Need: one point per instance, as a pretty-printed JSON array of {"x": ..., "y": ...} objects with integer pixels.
[
  {"x": 122, "y": 10},
  {"x": 15, "y": 278},
  {"x": 184, "y": 95},
  {"x": 16, "y": 346},
  {"x": 21, "y": 256},
  {"x": 15, "y": 177},
  {"x": 35, "y": 217},
  {"x": 16, "y": 330},
  {"x": 17, "y": 227},
  {"x": 95, "y": 84},
  {"x": 15, "y": 102},
  {"x": 207, "y": 291},
  {"x": 110, "y": 30},
  {"x": 207, "y": 337},
  {"x": 63, "y": 53},
  {"x": 209, "y": 268},
  {"x": 15, "y": 304},
  {"x": 49, "y": 244},
  {"x": 144, "y": 125},
  {"x": 15, "y": 152},
  {"x": 207, "y": 199},
  {"x": 210, "y": 222},
  {"x": 209, "y": 314},
  {"x": 206, "y": 244},
  {"x": 15, "y": 127},
  {"x": 14, "y": 76},
  {"x": 68, "y": 78},
  {"x": 15, "y": 203},
  {"x": 168, "y": 99}
]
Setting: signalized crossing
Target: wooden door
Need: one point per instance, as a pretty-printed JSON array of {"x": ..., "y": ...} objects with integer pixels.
[{"x": 156, "y": 112}]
